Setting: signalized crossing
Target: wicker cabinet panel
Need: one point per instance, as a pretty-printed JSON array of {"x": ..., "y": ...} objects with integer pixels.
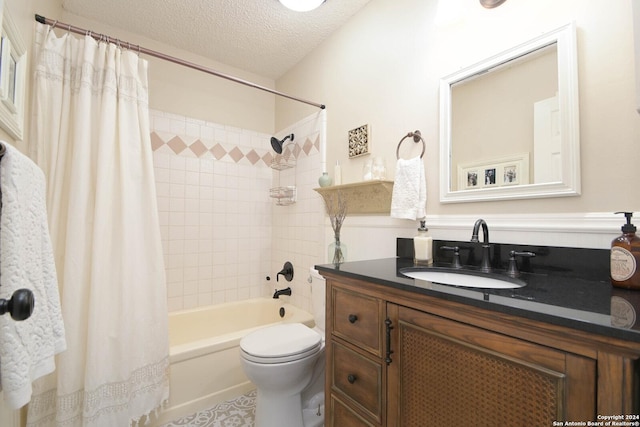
[
  {"x": 483, "y": 388},
  {"x": 358, "y": 378},
  {"x": 488, "y": 379},
  {"x": 357, "y": 319}
]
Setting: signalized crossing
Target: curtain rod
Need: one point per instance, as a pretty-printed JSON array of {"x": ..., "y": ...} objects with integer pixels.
[{"x": 160, "y": 55}]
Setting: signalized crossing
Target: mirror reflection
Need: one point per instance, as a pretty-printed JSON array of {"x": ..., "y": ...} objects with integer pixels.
[
  {"x": 509, "y": 124},
  {"x": 502, "y": 124}
]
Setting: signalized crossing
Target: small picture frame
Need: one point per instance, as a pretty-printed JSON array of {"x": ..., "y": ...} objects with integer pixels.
[
  {"x": 497, "y": 172},
  {"x": 490, "y": 176},
  {"x": 472, "y": 180},
  {"x": 359, "y": 140},
  {"x": 511, "y": 174}
]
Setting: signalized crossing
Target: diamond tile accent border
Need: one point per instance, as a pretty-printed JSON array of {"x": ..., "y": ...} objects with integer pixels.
[
  {"x": 218, "y": 152},
  {"x": 178, "y": 145},
  {"x": 198, "y": 148}
]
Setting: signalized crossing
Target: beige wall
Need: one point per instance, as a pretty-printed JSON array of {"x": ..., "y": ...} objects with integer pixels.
[{"x": 383, "y": 68}]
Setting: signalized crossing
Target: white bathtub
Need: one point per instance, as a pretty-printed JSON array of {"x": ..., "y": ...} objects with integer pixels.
[{"x": 205, "y": 352}]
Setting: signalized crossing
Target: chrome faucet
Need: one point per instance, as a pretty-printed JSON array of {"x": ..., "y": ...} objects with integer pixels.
[{"x": 485, "y": 265}]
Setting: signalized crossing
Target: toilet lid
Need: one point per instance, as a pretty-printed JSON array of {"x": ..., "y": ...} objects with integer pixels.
[{"x": 283, "y": 340}]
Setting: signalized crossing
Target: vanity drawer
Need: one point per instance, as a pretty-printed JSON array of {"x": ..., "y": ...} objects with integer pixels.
[
  {"x": 357, "y": 319},
  {"x": 343, "y": 416},
  {"x": 358, "y": 378}
]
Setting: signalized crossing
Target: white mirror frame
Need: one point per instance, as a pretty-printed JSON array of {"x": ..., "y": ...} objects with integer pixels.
[
  {"x": 12, "y": 81},
  {"x": 568, "y": 99}
]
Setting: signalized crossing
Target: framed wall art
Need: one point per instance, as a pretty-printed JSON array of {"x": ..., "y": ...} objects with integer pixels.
[{"x": 359, "y": 141}]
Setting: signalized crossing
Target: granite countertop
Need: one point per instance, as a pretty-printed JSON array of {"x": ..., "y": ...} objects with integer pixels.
[{"x": 589, "y": 304}]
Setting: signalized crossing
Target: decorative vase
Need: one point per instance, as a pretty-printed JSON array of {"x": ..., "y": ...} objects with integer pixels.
[
  {"x": 324, "y": 180},
  {"x": 337, "y": 251}
]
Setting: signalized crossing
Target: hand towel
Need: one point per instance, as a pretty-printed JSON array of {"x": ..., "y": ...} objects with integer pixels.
[
  {"x": 409, "y": 196},
  {"x": 27, "y": 348}
]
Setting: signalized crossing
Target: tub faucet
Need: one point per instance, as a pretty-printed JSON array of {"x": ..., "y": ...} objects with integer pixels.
[
  {"x": 278, "y": 292},
  {"x": 287, "y": 272},
  {"x": 485, "y": 265}
]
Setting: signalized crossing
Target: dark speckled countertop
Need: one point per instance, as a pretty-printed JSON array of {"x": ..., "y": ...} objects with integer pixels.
[{"x": 585, "y": 302}]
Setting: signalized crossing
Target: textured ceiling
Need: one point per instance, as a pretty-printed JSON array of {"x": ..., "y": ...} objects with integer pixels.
[{"x": 260, "y": 36}]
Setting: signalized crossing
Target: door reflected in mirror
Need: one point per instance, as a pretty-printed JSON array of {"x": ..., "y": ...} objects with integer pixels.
[{"x": 509, "y": 124}]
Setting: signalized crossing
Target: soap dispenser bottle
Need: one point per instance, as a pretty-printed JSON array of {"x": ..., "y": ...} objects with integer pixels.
[
  {"x": 625, "y": 257},
  {"x": 423, "y": 246}
]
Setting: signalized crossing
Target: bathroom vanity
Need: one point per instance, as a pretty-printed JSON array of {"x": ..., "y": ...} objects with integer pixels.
[{"x": 403, "y": 352}]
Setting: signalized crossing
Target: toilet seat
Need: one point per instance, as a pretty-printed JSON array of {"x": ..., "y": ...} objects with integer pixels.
[{"x": 280, "y": 343}]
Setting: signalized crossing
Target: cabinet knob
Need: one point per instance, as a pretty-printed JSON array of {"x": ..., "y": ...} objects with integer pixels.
[
  {"x": 351, "y": 378},
  {"x": 353, "y": 318}
]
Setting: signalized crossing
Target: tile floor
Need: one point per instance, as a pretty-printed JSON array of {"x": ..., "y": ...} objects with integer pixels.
[{"x": 238, "y": 412}]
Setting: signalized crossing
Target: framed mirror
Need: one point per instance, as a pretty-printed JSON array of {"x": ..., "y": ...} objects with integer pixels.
[{"x": 509, "y": 125}]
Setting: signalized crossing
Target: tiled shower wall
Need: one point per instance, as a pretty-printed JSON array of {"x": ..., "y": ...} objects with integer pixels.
[
  {"x": 222, "y": 234},
  {"x": 298, "y": 229}
]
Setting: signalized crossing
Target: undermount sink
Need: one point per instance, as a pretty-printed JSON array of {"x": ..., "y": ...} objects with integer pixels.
[{"x": 462, "y": 277}]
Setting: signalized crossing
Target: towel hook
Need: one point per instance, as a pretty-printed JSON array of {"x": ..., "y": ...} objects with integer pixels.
[
  {"x": 417, "y": 137},
  {"x": 20, "y": 306}
]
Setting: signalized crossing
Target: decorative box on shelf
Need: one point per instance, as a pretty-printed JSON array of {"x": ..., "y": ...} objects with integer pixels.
[{"x": 367, "y": 197}]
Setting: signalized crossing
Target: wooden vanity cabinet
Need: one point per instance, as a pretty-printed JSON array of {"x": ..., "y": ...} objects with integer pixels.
[{"x": 396, "y": 358}]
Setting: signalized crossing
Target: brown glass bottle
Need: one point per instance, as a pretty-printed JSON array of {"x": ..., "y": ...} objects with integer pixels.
[{"x": 625, "y": 257}]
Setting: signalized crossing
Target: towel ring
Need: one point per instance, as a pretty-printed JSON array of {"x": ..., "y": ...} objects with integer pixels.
[{"x": 417, "y": 137}]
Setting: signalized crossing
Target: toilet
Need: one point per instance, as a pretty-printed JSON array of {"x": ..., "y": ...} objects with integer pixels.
[{"x": 286, "y": 363}]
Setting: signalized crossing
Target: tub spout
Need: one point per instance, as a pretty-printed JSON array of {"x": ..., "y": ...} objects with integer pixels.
[{"x": 278, "y": 292}]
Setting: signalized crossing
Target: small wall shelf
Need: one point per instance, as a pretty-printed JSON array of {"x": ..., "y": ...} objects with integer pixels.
[{"x": 367, "y": 197}]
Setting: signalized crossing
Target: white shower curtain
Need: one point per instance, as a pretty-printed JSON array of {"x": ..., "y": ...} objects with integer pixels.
[{"x": 90, "y": 135}]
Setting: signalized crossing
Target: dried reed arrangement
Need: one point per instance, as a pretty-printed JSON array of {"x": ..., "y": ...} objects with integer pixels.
[{"x": 336, "y": 207}]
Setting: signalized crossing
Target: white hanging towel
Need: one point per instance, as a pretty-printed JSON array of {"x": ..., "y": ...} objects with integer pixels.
[
  {"x": 27, "y": 348},
  {"x": 409, "y": 196}
]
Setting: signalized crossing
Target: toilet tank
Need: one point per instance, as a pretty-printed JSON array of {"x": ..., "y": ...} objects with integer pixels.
[{"x": 318, "y": 300}]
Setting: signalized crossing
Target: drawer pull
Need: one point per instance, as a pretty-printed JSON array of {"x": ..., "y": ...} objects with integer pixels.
[
  {"x": 389, "y": 351},
  {"x": 353, "y": 318},
  {"x": 351, "y": 378}
]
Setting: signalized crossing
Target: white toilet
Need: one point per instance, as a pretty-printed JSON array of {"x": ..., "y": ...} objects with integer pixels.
[{"x": 286, "y": 363}]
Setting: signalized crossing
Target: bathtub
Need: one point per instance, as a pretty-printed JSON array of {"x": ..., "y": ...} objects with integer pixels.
[{"x": 205, "y": 353}]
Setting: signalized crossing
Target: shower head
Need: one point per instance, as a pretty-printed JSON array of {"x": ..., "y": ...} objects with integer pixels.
[{"x": 278, "y": 144}]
